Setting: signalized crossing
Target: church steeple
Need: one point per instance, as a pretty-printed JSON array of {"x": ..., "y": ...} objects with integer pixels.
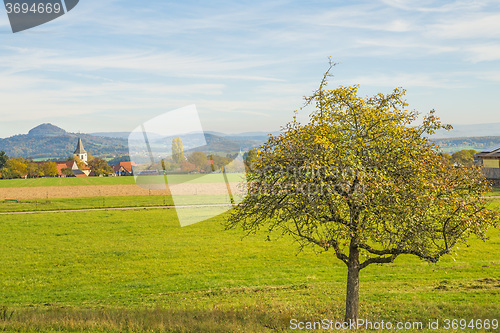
[{"x": 80, "y": 151}]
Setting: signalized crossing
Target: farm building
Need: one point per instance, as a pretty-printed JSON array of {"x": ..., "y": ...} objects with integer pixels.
[
  {"x": 123, "y": 169},
  {"x": 65, "y": 168},
  {"x": 61, "y": 165},
  {"x": 490, "y": 160}
]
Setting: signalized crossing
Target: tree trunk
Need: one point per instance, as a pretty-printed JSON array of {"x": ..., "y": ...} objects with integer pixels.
[{"x": 352, "y": 296}]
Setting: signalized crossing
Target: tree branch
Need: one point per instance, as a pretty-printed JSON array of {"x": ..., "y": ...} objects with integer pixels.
[
  {"x": 378, "y": 260},
  {"x": 399, "y": 251},
  {"x": 319, "y": 92},
  {"x": 338, "y": 252}
]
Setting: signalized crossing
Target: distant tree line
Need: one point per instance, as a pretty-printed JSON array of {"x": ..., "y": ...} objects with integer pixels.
[
  {"x": 472, "y": 142},
  {"x": 462, "y": 158},
  {"x": 201, "y": 162},
  {"x": 196, "y": 162},
  {"x": 18, "y": 167}
]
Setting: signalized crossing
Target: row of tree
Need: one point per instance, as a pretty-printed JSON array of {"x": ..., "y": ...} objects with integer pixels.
[
  {"x": 197, "y": 162},
  {"x": 462, "y": 158},
  {"x": 18, "y": 167}
]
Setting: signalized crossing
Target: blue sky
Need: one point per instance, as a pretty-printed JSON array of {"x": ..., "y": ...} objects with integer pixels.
[{"x": 111, "y": 65}]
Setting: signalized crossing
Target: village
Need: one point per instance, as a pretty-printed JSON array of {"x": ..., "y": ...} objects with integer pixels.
[
  {"x": 83, "y": 164},
  {"x": 80, "y": 164}
]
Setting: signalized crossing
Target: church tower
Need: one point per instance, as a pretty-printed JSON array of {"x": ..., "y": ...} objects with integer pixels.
[{"x": 80, "y": 151}]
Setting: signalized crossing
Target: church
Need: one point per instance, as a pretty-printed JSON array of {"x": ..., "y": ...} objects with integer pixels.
[
  {"x": 70, "y": 168},
  {"x": 80, "y": 152}
]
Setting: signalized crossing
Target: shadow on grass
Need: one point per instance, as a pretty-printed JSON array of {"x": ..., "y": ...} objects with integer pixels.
[
  {"x": 143, "y": 320},
  {"x": 219, "y": 318}
]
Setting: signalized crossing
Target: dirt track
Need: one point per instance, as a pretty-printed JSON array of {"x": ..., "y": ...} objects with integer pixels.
[{"x": 52, "y": 192}]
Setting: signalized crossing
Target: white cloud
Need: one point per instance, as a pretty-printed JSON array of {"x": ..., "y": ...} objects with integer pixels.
[
  {"x": 239, "y": 61},
  {"x": 407, "y": 80},
  {"x": 467, "y": 26},
  {"x": 367, "y": 17},
  {"x": 433, "y": 5},
  {"x": 414, "y": 47},
  {"x": 490, "y": 76},
  {"x": 157, "y": 63},
  {"x": 483, "y": 52}
]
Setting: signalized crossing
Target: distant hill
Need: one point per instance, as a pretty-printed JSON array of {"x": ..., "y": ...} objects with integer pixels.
[
  {"x": 451, "y": 145},
  {"x": 48, "y": 141},
  {"x": 122, "y": 135},
  {"x": 46, "y": 130},
  {"x": 473, "y": 130},
  {"x": 250, "y": 136},
  {"x": 161, "y": 146}
]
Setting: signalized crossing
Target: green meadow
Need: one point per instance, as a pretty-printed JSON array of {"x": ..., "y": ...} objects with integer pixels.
[
  {"x": 83, "y": 181},
  {"x": 40, "y": 205},
  {"x": 66, "y": 181},
  {"x": 139, "y": 271}
]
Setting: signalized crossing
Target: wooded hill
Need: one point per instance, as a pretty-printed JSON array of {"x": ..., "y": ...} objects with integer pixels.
[
  {"x": 451, "y": 145},
  {"x": 49, "y": 142}
]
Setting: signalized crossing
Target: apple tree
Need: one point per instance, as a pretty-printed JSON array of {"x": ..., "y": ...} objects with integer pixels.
[{"x": 363, "y": 181}]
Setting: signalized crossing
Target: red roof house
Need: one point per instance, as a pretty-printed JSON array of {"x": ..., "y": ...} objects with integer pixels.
[{"x": 123, "y": 169}]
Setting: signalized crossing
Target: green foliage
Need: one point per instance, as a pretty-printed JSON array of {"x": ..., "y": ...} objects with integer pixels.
[
  {"x": 50, "y": 169},
  {"x": 99, "y": 166},
  {"x": 251, "y": 159},
  {"x": 199, "y": 159},
  {"x": 362, "y": 180},
  {"x": 3, "y": 159},
  {"x": 358, "y": 172},
  {"x": 219, "y": 161},
  {"x": 463, "y": 158},
  {"x": 177, "y": 150},
  {"x": 68, "y": 172},
  {"x": 34, "y": 170},
  {"x": 15, "y": 167},
  {"x": 41, "y": 169},
  {"x": 117, "y": 160},
  {"x": 446, "y": 156}
]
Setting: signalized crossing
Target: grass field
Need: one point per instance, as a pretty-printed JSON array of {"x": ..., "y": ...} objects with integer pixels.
[
  {"x": 138, "y": 271},
  {"x": 495, "y": 192},
  {"x": 82, "y": 181},
  {"x": 41, "y": 205},
  {"x": 85, "y": 203},
  {"x": 116, "y": 271}
]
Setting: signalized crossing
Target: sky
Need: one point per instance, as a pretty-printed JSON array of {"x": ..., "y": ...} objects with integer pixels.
[{"x": 112, "y": 65}]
